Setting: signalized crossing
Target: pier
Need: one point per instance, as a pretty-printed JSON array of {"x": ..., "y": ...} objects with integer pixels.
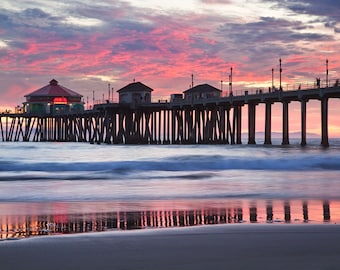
[{"x": 216, "y": 120}]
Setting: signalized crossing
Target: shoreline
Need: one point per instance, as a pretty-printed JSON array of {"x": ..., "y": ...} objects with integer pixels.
[{"x": 243, "y": 246}]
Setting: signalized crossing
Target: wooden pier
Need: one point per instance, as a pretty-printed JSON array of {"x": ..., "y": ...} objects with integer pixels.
[{"x": 203, "y": 121}]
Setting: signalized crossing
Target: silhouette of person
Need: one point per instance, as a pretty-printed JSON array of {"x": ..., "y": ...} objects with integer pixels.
[{"x": 318, "y": 82}]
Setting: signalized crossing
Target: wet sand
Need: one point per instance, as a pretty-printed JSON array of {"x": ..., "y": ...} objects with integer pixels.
[{"x": 238, "y": 246}]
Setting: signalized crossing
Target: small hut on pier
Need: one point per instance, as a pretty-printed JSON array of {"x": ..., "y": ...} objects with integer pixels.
[
  {"x": 135, "y": 93},
  {"x": 53, "y": 99},
  {"x": 202, "y": 91}
]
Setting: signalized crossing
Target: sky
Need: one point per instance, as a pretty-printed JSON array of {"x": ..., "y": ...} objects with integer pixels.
[{"x": 86, "y": 45}]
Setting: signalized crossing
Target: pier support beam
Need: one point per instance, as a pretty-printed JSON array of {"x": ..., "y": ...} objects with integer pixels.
[
  {"x": 303, "y": 122},
  {"x": 173, "y": 126},
  {"x": 233, "y": 126},
  {"x": 251, "y": 123},
  {"x": 285, "y": 128},
  {"x": 268, "y": 124},
  {"x": 229, "y": 130},
  {"x": 239, "y": 126},
  {"x": 238, "y": 123},
  {"x": 324, "y": 122}
]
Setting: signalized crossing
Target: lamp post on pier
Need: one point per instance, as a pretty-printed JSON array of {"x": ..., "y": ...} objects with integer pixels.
[
  {"x": 272, "y": 79},
  {"x": 231, "y": 82},
  {"x": 326, "y": 72},
  {"x": 280, "y": 74}
]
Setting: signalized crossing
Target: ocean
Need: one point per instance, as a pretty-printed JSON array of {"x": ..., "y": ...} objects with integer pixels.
[{"x": 55, "y": 188}]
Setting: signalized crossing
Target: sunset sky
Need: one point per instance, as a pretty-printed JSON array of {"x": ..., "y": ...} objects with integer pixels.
[{"x": 87, "y": 44}]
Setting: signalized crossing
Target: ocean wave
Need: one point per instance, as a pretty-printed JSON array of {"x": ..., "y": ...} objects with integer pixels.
[{"x": 192, "y": 163}]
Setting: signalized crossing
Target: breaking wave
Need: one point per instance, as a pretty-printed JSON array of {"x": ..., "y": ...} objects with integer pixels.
[{"x": 188, "y": 165}]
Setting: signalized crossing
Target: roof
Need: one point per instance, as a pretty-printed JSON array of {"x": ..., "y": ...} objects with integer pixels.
[
  {"x": 53, "y": 89},
  {"x": 202, "y": 88},
  {"x": 135, "y": 87}
]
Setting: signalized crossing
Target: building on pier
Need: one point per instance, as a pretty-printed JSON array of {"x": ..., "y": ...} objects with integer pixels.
[
  {"x": 202, "y": 91},
  {"x": 135, "y": 93},
  {"x": 176, "y": 98},
  {"x": 53, "y": 99}
]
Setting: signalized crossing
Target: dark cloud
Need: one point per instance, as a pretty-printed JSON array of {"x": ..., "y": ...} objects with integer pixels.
[
  {"x": 269, "y": 29},
  {"x": 138, "y": 45},
  {"x": 4, "y": 18},
  {"x": 34, "y": 13},
  {"x": 329, "y": 10},
  {"x": 267, "y": 40},
  {"x": 28, "y": 24},
  {"x": 128, "y": 25}
]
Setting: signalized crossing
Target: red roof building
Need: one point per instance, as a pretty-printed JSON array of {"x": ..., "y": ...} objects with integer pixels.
[{"x": 53, "y": 99}]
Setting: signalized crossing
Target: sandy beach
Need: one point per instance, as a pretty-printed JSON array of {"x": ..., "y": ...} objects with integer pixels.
[{"x": 238, "y": 246}]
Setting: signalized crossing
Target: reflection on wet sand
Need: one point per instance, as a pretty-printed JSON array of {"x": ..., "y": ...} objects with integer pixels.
[
  {"x": 270, "y": 215},
  {"x": 326, "y": 211},
  {"x": 287, "y": 212},
  {"x": 305, "y": 211},
  {"x": 223, "y": 212}
]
